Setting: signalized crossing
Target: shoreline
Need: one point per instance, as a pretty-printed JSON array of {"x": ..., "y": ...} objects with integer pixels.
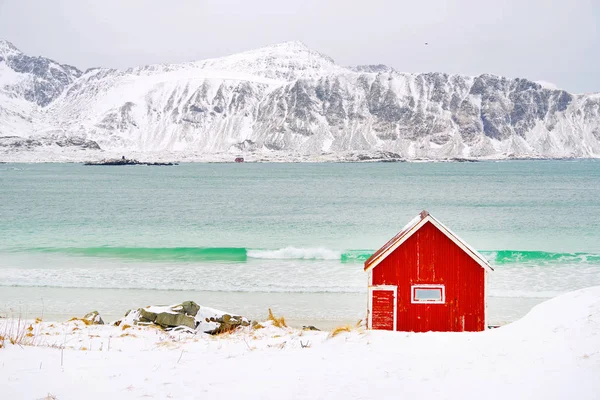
[
  {"x": 327, "y": 310},
  {"x": 145, "y": 158}
]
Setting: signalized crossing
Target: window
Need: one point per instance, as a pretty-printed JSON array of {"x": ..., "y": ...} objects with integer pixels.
[{"x": 431, "y": 294}]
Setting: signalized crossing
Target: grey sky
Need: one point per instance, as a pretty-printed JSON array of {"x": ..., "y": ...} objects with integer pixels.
[{"x": 552, "y": 40}]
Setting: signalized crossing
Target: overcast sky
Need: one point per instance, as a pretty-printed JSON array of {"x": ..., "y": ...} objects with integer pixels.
[{"x": 551, "y": 40}]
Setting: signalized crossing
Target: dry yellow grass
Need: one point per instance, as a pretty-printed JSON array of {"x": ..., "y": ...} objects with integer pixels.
[
  {"x": 225, "y": 330},
  {"x": 38, "y": 320},
  {"x": 80, "y": 319},
  {"x": 277, "y": 322},
  {"x": 125, "y": 326},
  {"x": 19, "y": 333},
  {"x": 257, "y": 326},
  {"x": 340, "y": 329}
]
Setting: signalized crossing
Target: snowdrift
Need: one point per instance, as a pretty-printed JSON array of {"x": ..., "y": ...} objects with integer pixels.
[{"x": 552, "y": 353}]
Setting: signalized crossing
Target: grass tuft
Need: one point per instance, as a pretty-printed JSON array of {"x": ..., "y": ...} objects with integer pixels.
[
  {"x": 277, "y": 322},
  {"x": 340, "y": 329},
  {"x": 85, "y": 321},
  {"x": 125, "y": 326},
  {"x": 257, "y": 326},
  {"x": 18, "y": 332}
]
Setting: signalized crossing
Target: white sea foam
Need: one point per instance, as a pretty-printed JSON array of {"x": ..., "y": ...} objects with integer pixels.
[{"x": 289, "y": 253}]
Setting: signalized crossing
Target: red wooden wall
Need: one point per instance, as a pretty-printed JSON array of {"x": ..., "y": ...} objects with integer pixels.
[{"x": 430, "y": 257}]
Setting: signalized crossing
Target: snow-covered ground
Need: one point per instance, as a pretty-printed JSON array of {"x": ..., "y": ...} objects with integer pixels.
[{"x": 552, "y": 353}]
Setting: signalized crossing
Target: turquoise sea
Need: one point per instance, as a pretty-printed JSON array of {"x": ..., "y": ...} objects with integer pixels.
[{"x": 293, "y": 237}]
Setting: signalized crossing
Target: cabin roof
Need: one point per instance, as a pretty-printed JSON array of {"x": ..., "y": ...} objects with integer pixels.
[{"x": 413, "y": 226}]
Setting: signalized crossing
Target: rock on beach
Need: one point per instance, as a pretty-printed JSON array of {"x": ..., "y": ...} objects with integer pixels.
[{"x": 187, "y": 314}]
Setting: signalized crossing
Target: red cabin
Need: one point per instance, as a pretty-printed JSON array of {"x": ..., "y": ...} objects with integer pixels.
[{"x": 427, "y": 279}]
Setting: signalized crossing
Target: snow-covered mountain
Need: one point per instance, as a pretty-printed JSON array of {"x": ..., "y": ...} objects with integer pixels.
[{"x": 283, "y": 101}]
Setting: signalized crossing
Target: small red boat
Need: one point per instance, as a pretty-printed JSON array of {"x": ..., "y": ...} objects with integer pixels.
[{"x": 239, "y": 159}]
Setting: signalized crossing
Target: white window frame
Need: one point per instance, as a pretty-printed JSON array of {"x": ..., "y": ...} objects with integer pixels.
[{"x": 414, "y": 288}]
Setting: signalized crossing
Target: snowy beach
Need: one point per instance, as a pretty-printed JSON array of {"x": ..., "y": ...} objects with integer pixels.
[{"x": 552, "y": 353}]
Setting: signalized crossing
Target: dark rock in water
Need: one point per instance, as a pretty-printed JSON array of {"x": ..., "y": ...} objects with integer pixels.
[
  {"x": 391, "y": 160},
  {"x": 125, "y": 161},
  {"x": 160, "y": 163},
  {"x": 380, "y": 156},
  {"x": 458, "y": 159},
  {"x": 115, "y": 161},
  {"x": 93, "y": 318}
]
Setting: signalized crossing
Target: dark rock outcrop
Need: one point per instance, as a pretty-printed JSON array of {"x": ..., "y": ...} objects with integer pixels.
[{"x": 187, "y": 314}]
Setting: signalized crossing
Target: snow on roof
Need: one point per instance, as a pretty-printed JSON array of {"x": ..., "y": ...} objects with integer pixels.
[{"x": 414, "y": 225}]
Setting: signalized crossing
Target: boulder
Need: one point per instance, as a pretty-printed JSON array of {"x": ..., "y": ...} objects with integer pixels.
[
  {"x": 168, "y": 320},
  {"x": 147, "y": 316},
  {"x": 225, "y": 323},
  {"x": 187, "y": 314},
  {"x": 190, "y": 308},
  {"x": 93, "y": 318}
]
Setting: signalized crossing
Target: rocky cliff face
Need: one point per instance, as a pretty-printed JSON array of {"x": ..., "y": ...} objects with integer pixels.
[
  {"x": 36, "y": 79},
  {"x": 287, "y": 99}
]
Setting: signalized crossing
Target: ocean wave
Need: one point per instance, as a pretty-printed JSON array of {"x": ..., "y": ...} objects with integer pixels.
[
  {"x": 242, "y": 254},
  {"x": 234, "y": 254},
  {"x": 539, "y": 257},
  {"x": 317, "y": 253},
  {"x": 295, "y": 253}
]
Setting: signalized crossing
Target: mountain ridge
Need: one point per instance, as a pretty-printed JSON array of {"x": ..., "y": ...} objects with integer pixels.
[{"x": 284, "y": 100}]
